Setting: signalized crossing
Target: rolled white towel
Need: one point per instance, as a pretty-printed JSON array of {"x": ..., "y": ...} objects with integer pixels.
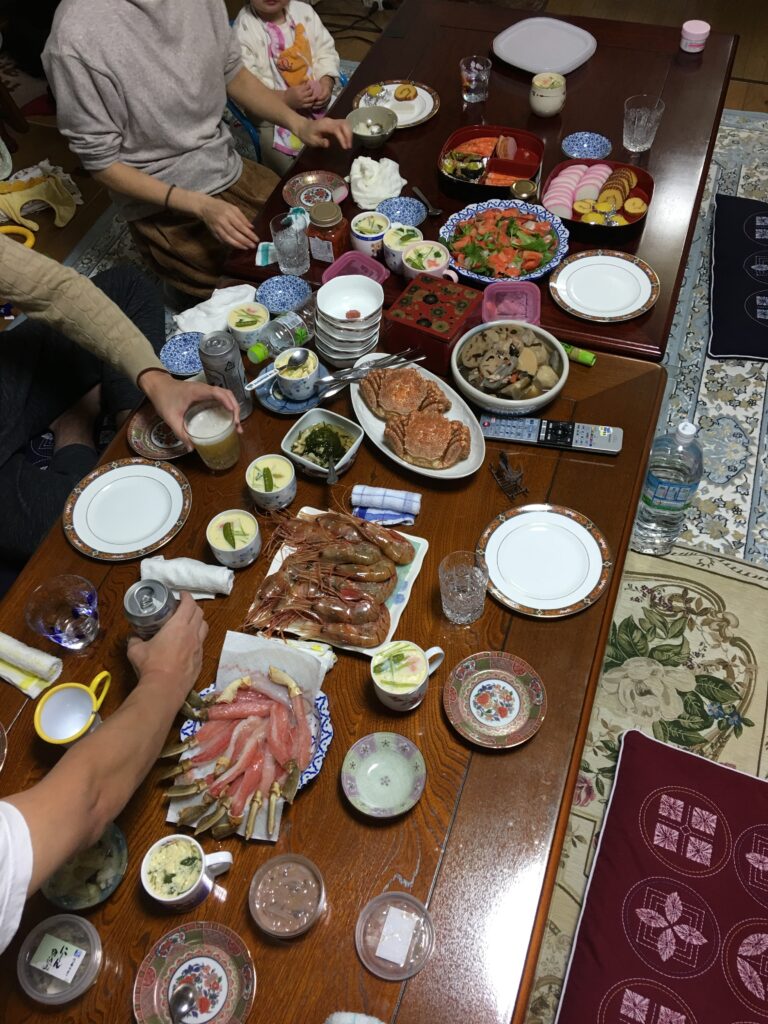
[
  {"x": 30, "y": 670},
  {"x": 201, "y": 580},
  {"x": 352, "y": 1018}
]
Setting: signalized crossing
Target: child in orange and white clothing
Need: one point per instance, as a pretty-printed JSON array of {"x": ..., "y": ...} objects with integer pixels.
[{"x": 287, "y": 47}]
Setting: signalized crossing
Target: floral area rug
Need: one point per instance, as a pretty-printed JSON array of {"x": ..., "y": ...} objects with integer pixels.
[{"x": 686, "y": 663}]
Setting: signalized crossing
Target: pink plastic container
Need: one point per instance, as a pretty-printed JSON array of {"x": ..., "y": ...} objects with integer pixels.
[
  {"x": 512, "y": 300},
  {"x": 356, "y": 263},
  {"x": 694, "y": 36}
]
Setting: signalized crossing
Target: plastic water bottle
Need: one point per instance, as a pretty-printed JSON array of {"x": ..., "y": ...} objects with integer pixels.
[
  {"x": 674, "y": 472},
  {"x": 289, "y": 330}
]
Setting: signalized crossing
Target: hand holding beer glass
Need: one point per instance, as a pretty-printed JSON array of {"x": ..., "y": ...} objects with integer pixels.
[{"x": 211, "y": 429}]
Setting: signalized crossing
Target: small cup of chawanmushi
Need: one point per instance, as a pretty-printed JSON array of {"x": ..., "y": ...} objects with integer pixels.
[{"x": 271, "y": 481}]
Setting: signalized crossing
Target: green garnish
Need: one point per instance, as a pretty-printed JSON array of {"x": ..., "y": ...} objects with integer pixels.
[
  {"x": 168, "y": 877},
  {"x": 190, "y": 862},
  {"x": 232, "y": 533},
  {"x": 301, "y": 335},
  {"x": 269, "y": 484},
  {"x": 249, "y": 321}
]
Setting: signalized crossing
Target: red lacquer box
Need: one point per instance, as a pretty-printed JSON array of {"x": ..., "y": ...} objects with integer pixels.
[{"x": 433, "y": 313}]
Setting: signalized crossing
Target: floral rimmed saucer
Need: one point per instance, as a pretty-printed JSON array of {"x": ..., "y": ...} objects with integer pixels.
[
  {"x": 495, "y": 700},
  {"x": 151, "y": 437},
  {"x": 210, "y": 957},
  {"x": 383, "y": 775}
]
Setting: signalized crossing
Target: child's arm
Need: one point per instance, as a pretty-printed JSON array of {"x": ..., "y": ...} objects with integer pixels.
[{"x": 254, "y": 46}]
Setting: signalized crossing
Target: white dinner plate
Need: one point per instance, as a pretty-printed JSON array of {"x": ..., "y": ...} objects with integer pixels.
[
  {"x": 545, "y": 560},
  {"x": 604, "y": 285},
  {"x": 409, "y": 112},
  {"x": 374, "y": 427},
  {"x": 127, "y": 508},
  {"x": 544, "y": 44}
]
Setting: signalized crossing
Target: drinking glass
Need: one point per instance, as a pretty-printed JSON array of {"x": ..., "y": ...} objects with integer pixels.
[
  {"x": 64, "y": 610},
  {"x": 475, "y": 76},
  {"x": 463, "y": 579},
  {"x": 291, "y": 243},
  {"x": 642, "y": 115},
  {"x": 211, "y": 429}
]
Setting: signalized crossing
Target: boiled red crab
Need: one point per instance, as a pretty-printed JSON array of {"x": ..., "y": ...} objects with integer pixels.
[
  {"x": 401, "y": 391},
  {"x": 428, "y": 439}
]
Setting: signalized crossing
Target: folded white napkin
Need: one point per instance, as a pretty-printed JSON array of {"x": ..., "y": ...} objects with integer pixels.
[
  {"x": 211, "y": 315},
  {"x": 373, "y": 181},
  {"x": 201, "y": 580},
  {"x": 30, "y": 670},
  {"x": 385, "y": 505},
  {"x": 352, "y": 1018}
]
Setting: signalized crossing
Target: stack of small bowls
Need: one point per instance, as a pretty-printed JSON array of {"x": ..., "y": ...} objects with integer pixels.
[{"x": 348, "y": 318}]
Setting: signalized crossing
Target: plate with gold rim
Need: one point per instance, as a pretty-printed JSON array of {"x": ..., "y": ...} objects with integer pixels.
[
  {"x": 312, "y": 187},
  {"x": 604, "y": 285},
  {"x": 546, "y": 561},
  {"x": 495, "y": 700},
  {"x": 126, "y": 508},
  {"x": 409, "y": 113},
  {"x": 151, "y": 437}
]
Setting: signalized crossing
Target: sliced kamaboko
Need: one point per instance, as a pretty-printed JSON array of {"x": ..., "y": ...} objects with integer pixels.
[
  {"x": 588, "y": 190},
  {"x": 560, "y": 208}
]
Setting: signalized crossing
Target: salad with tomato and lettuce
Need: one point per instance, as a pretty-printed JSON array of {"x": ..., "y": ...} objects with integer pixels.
[{"x": 503, "y": 243}]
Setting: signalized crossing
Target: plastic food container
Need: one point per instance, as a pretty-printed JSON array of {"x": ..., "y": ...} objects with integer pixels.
[
  {"x": 512, "y": 300},
  {"x": 287, "y": 896},
  {"x": 68, "y": 951},
  {"x": 394, "y": 936},
  {"x": 694, "y": 36},
  {"x": 356, "y": 263}
]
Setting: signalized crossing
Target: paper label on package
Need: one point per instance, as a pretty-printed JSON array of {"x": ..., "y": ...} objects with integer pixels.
[
  {"x": 58, "y": 958},
  {"x": 396, "y": 936}
]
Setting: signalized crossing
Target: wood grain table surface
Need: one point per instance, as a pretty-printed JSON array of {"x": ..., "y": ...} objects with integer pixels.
[
  {"x": 425, "y": 41},
  {"x": 481, "y": 846}
]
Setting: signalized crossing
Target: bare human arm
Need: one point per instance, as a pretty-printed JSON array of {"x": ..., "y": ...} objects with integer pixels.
[
  {"x": 224, "y": 220},
  {"x": 70, "y": 808}
]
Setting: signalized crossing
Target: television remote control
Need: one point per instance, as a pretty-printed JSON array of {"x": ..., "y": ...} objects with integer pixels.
[{"x": 553, "y": 433}]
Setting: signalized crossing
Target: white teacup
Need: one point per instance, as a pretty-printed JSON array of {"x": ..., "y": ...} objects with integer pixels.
[
  {"x": 283, "y": 482},
  {"x": 427, "y": 257},
  {"x": 395, "y": 240},
  {"x": 400, "y": 671},
  {"x": 297, "y": 384},
  {"x": 245, "y": 534},
  {"x": 547, "y": 94},
  {"x": 367, "y": 232},
  {"x": 165, "y": 868}
]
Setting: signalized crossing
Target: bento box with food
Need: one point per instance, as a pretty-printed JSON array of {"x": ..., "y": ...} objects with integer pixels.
[
  {"x": 482, "y": 161},
  {"x": 598, "y": 198}
]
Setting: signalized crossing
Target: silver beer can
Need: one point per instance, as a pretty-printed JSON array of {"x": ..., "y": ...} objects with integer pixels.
[
  {"x": 223, "y": 364},
  {"x": 148, "y": 606}
]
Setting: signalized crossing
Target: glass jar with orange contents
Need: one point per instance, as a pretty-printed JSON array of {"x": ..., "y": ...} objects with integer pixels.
[{"x": 328, "y": 232}]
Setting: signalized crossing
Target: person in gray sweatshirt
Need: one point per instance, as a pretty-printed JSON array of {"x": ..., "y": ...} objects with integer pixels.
[{"x": 140, "y": 87}]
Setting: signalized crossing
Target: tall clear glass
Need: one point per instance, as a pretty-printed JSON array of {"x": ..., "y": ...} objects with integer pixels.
[
  {"x": 65, "y": 611},
  {"x": 642, "y": 116},
  {"x": 463, "y": 581},
  {"x": 291, "y": 243},
  {"x": 475, "y": 77},
  {"x": 211, "y": 428}
]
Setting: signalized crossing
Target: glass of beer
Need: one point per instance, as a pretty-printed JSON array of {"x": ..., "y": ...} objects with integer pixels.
[{"x": 211, "y": 429}]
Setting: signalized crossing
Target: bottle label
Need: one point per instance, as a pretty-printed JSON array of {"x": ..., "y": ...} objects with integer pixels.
[
  {"x": 667, "y": 495},
  {"x": 321, "y": 249}
]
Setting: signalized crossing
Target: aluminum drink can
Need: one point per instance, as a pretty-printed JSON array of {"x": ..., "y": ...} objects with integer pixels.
[
  {"x": 148, "y": 606},
  {"x": 223, "y": 364}
]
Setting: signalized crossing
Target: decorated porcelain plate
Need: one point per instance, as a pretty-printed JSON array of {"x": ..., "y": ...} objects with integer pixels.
[
  {"x": 273, "y": 399},
  {"x": 313, "y": 187},
  {"x": 411, "y": 112},
  {"x": 283, "y": 293},
  {"x": 151, "y": 437},
  {"x": 397, "y": 600},
  {"x": 180, "y": 355},
  {"x": 374, "y": 428},
  {"x": 383, "y": 775},
  {"x": 604, "y": 285},
  {"x": 536, "y": 213},
  {"x": 127, "y": 508},
  {"x": 210, "y": 957},
  {"x": 546, "y": 561},
  {"x": 495, "y": 699}
]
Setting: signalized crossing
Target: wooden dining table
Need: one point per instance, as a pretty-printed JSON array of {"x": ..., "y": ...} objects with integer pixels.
[
  {"x": 481, "y": 847},
  {"x": 425, "y": 41}
]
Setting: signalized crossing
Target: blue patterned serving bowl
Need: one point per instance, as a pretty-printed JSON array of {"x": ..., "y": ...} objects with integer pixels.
[
  {"x": 536, "y": 213},
  {"x": 180, "y": 355},
  {"x": 283, "y": 293},
  {"x": 586, "y": 145},
  {"x": 403, "y": 210}
]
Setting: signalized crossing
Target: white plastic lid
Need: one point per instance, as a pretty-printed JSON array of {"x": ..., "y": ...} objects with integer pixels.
[
  {"x": 71, "y": 970},
  {"x": 685, "y": 433},
  {"x": 696, "y": 29}
]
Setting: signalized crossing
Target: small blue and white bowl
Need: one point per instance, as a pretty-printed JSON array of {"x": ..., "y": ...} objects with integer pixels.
[
  {"x": 180, "y": 355},
  {"x": 283, "y": 293},
  {"x": 586, "y": 145},
  {"x": 403, "y": 210}
]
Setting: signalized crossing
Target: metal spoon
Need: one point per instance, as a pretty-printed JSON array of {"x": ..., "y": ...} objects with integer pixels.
[
  {"x": 182, "y": 1000},
  {"x": 295, "y": 360},
  {"x": 374, "y": 128},
  {"x": 433, "y": 211},
  {"x": 333, "y": 476}
]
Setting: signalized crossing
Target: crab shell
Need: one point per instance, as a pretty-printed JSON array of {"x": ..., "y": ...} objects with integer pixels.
[
  {"x": 386, "y": 392},
  {"x": 427, "y": 439}
]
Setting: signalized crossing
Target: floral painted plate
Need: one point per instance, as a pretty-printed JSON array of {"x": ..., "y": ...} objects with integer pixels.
[
  {"x": 151, "y": 437},
  {"x": 208, "y": 956},
  {"x": 495, "y": 700},
  {"x": 383, "y": 775},
  {"x": 313, "y": 187}
]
